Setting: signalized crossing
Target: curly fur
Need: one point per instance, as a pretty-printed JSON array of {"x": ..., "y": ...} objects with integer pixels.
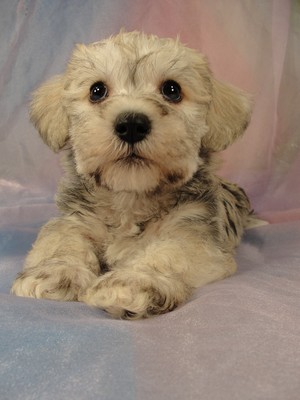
[{"x": 142, "y": 224}]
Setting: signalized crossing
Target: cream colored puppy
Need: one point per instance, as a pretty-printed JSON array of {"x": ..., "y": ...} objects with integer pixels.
[{"x": 144, "y": 220}]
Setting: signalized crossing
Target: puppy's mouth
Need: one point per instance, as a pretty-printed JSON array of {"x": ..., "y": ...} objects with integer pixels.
[{"x": 132, "y": 158}]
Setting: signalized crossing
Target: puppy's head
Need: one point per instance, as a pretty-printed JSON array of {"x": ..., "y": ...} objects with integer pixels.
[{"x": 136, "y": 111}]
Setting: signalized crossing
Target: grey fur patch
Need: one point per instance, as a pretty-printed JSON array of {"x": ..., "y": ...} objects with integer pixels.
[{"x": 174, "y": 177}]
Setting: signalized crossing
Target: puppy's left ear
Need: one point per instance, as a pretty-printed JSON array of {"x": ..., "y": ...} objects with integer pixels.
[
  {"x": 228, "y": 116},
  {"x": 48, "y": 114}
]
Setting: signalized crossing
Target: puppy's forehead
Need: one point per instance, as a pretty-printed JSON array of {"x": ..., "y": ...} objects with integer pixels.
[
  {"x": 132, "y": 47},
  {"x": 135, "y": 57}
]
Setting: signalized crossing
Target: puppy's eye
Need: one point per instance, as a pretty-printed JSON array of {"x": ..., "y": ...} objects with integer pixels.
[
  {"x": 171, "y": 91},
  {"x": 98, "y": 92}
]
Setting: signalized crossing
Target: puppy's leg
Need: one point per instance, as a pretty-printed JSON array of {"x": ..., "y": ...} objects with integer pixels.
[
  {"x": 61, "y": 263},
  {"x": 158, "y": 280},
  {"x": 163, "y": 274}
]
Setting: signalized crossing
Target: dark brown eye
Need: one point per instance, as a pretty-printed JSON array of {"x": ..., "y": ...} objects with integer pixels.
[
  {"x": 171, "y": 91},
  {"x": 98, "y": 92}
]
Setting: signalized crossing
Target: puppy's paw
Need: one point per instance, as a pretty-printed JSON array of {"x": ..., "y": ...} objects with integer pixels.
[
  {"x": 57, "y": 282},
  {"x": 130, "y": 295}
]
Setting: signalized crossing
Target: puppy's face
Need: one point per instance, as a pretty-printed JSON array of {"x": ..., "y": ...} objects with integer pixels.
[{"x": 136, "y": 111}]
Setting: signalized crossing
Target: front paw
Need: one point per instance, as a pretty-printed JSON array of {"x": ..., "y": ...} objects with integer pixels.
[
  {"x": 54, "y": 282},
  {"x": 130, "y": 296}
]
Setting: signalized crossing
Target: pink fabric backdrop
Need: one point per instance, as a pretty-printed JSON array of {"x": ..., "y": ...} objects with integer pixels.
[{"x": 252, "y": 44}]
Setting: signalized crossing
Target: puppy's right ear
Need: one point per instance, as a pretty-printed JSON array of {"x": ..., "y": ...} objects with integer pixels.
[{"x": 48, "y": 115}]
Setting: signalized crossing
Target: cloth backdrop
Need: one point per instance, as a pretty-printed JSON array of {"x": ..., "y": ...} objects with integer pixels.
[{"x": 236, "y": 339}]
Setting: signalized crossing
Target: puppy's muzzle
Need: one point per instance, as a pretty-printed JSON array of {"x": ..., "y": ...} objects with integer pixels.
[{"x": 132, "y": 127}]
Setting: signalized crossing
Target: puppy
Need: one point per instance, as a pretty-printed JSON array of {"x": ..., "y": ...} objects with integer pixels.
[{"x": 144, "y": 219}]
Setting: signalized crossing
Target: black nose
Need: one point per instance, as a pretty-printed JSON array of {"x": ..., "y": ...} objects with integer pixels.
[{"x": 132, "y": 127}]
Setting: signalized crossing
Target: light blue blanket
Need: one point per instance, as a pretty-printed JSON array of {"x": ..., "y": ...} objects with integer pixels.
[{"x": 235, "y": 339}]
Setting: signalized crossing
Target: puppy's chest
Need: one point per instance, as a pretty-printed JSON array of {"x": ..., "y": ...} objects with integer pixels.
[
  {"x": 133, "y": 223},
  {"x": 127, "y": 218},
  {"x": 124, "y": 226},
  {"x": 126, "y": 232}
]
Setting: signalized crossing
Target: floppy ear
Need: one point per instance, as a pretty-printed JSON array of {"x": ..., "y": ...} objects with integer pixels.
[
  {"x": 48, "y": 115},
  {"x": 228, "y": 116}
]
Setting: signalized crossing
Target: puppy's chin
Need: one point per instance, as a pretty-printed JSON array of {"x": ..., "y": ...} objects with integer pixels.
[
  {"x": 131, "y": 175},
  {"x": 138, "y": 175}
]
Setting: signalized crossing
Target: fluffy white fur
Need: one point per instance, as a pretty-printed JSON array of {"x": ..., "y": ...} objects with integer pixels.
[{"x": 143, "y": 223}]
